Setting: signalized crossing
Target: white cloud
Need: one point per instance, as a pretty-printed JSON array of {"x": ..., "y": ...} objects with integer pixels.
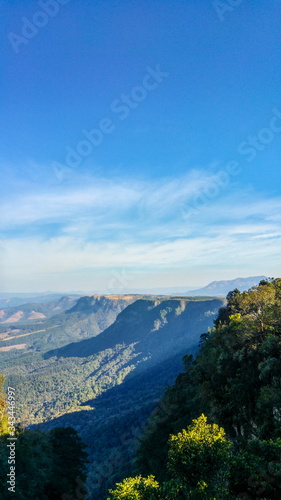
[
  {"x": 137, "y": 225},
  {"x": 99, "y": 198}
]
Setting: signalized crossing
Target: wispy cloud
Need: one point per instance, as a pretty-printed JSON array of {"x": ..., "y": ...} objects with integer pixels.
[
  {"x": 138, "y": 225},
  {"x": 66, "y": 253},
  {"x": 103, "y": 200}
]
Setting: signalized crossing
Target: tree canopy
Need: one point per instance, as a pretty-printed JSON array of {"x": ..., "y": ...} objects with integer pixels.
[
  {"x": 235, "y": 381},
  {"x": 49, "y": 466}
]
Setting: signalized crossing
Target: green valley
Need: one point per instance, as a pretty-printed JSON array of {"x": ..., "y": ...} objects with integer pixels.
[
  {"x": 110, "y": 369},
  {"x": 109, "y": 380}
]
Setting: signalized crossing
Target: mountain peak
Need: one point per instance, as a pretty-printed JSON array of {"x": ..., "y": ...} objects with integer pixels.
[{"x": 222, "y": 288}]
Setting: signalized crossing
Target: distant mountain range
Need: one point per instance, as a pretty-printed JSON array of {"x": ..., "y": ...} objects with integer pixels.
[
  {"x": 18, "y": 299},
  {"x": 85, "y": 317},
  {"x": 11, "y": 312},
  {"x": 221, "y": 288},
  {"x": 36, "y": 311}
]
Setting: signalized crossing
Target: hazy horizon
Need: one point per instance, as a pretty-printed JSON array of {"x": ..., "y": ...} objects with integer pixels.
[{"x": 122, "y": 289}]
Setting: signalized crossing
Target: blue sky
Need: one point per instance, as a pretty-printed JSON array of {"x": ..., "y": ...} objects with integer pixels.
[{"x": 141, "y": 143}]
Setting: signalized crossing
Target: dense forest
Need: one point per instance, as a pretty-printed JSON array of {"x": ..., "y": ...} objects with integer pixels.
[
  {"x": 105, "y": 386},
  {"x": 216, "y": 433},
  {"x": 38, "y": 465}
]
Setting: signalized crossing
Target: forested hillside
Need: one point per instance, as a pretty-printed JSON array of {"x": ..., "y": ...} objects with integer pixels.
[
  {"x": 86, "y": 317},
  {"x": 34, "y": 311},
  {"x": 38, "y": 465},
  {"x": 235, "y": 383},
  {"x": 157, "y": 326},
  {"x": 107, "y": 385}
]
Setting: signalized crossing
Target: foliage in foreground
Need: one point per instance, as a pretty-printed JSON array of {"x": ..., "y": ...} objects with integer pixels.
[
  {"x": 236, "y": 381},
  {"x": 202, "y": 465},
  {"x": 49, "y": 466},
  {"x": 196, "y": 455}
]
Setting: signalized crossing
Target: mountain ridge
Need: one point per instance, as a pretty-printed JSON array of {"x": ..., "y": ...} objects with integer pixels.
[
  {"x": 34, "y": 311},
  {"x": 146, "y": 320},
  {"x": 222, "y": 287}
]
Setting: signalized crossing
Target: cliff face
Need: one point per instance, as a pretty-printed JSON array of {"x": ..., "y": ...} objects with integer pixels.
[
  {"x": 47, "y": 326},
  {"x": 93, "y": 303},
  {"x": 157, "y": 327}
]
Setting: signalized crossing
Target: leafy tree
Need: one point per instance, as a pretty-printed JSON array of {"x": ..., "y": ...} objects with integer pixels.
[
  {"x": 68, "y": 464},
  {"x": 198, "y": 460},
  {"x": 239, "y": 365},
  {"x": 200, "y": 454},
  {"x": 33, "y": 465},
  {"x": 134, "y": 488},
  {"x": 236, "y": 381},
  {"x": 48, "y": 465},
  {"x": 3, "y": 407},
  {"x": 180, "y": 404},
  {"x": 255, "y": 471}
]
